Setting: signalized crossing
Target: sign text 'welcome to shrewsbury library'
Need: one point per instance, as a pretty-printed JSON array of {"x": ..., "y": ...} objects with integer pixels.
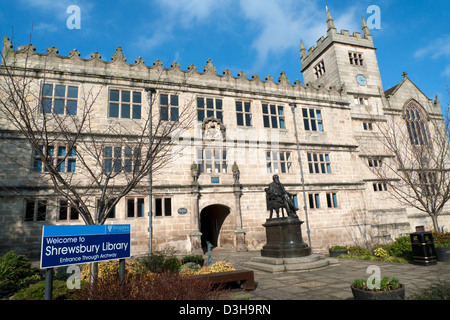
[{"x": 66, "y": 245}]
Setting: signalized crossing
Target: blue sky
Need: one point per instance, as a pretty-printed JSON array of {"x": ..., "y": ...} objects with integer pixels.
[{"x": 254, "y": 36}]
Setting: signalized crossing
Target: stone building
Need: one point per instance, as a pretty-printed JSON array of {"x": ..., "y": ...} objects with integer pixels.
[{"x": 244, "y": 132}]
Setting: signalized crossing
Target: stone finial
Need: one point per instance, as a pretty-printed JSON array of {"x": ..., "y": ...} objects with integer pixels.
[
  {"x": 52, "y": 50},
  {"x": 209, "y": 66},
  {"x": 436, "y": 101},
  {"x": 227, "y": 72},
  {"x": 283, "y": 79},
  {"x": 302, "y": 50},
  {"x": 118, "y": 55},
  {"x": 404, "y": 74},
  {"x": 365, "y": 28},
  {"x": 330, "y": 21},
  {"x": 96, "y": 55},
  {"x": 74, "y": 53}
]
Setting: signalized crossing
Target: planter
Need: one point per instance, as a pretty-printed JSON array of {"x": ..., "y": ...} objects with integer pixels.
[
  {"x": 396, "y": 294},
  {"x": 337, "y": 252},
  {"x": 443, "y": 254}
]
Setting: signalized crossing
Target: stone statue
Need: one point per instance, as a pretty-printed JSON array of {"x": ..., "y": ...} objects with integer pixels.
[
  {"x": 236, "y": 173},
  {"x": 194, "y": 172},
  {"x": 278, "y": 198}
]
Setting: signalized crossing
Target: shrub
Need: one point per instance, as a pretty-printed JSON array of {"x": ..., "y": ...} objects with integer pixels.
[
  {"x": 151, "y": 286},
  {"x": 197, "y": 259},
  {"x": 15, "y": 267},
  {"x": 153, "y": 263},
  {"x": 380, "y": 253},
  {"x": 338, "y": 248},
  {"x": 36, "y": 292},
  {"x": 16, "y": 273},
  {"x": 401, "y": 248},
  {"x": 111, "y": 268},
  {"x": 358, "y": 251},
  {"x": 441, "y": 239},
  {"x": 385, "y": 284},
  {"x": 171, "y": 264}
]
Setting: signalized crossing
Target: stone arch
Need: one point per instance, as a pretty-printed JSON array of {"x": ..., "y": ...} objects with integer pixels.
[{"x": 212, "y": 218}]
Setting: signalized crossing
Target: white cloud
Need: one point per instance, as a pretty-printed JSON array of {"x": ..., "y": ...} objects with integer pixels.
[
  {"x": 436, "y": 49},
  {"x": 282, "y": 23}
]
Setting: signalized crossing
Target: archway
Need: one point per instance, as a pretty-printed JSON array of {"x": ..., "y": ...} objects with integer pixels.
[{"x": 211, "y": 220}]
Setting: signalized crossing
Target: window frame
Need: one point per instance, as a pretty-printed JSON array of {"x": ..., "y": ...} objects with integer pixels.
[
  {"x": 247, "y": 119},
  {"x": 68, "y": 161},
  {"x": 313, "y": 119},
  {"x": 275, "y": 161},
  {"x": 319, "y": 163},
  {"x": 54, "y": 98},
  {"x": 356, "y": 58},
  {"x": 36, "y": 215},
  {"x": 120, "y": 164},
  {"x": 272, "y": 119},
  {"x": 332, "y": 202},
  {"x": 163, "y": 206},
  {"x": 416, "y": 124},
  {"x": 319, "y": 69},
  {"x": 217, "y": 112},
  {"x": 217, "y": 160},
  {"x": 170, "y": 106},
  {"x": 120, "y": 103},
  {"x": 137, "y": 204}
]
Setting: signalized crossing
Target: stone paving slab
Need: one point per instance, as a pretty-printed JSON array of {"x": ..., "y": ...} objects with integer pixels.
[{"x": 331, "y": 283}]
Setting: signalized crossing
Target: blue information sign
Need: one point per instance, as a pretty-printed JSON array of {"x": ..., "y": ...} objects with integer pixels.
[{"x": 76, "y": 244}]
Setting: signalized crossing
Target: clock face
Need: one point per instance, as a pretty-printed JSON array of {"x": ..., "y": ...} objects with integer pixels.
[{"x": 361, "y": 79}]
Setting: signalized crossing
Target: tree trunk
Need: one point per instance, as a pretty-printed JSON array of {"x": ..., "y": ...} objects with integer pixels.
[{"x": 434, "y": 217}]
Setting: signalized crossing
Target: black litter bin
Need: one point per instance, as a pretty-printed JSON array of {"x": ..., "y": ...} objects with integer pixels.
[{"x": 423, "y": 248}]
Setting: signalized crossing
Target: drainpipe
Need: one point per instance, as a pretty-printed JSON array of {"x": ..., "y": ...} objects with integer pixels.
[
  {"x": 150, "y": 92},
  {"x": 305, "y": 207}
]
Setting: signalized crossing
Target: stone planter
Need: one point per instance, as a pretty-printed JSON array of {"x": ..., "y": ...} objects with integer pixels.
[
  {"x": 396, "y": 294},
  {"x": 443, "y": 254},
  {"x": 336, "y": 253}
]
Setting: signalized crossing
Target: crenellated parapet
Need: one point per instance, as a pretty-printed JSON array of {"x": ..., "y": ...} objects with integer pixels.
[{"x": 119, "y": 67}]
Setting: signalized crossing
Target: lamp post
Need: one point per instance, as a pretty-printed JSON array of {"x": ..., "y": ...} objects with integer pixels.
[
  {"x": 293, "y": 107},
  {"x": 150, "y": 92}
]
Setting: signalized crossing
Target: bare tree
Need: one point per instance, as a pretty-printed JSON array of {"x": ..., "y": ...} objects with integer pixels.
[
  {"x": 415, "y": 166},
  {"x": 76, "y": 154}
]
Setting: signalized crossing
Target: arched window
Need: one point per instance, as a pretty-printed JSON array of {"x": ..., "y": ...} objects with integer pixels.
[{"x": 416, "y": 123}]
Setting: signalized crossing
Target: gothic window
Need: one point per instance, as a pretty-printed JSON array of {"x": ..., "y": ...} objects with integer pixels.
[
  {"x": 319, "y": 69},
  {"x": 59, "y": 99},
  {"x": 273, "y": 116},
  {"x": 415, "y": 122}
]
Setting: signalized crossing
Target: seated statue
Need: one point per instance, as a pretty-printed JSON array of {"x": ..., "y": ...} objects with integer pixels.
[{"x": 278, "y": 198}]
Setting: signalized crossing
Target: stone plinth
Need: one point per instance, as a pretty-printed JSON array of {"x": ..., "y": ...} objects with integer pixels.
[{"x": 284, "y": 239}]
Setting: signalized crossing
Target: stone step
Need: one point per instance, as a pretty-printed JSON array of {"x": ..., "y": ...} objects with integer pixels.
[
  {"x": 269, "y": 265},
  {"x": 278, "y": 261}
]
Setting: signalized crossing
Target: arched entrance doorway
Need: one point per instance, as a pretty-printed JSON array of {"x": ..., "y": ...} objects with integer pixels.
[{"x": 211, "y": 220}]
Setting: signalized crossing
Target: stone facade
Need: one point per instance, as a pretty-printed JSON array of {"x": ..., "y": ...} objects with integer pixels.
[{"x": 226, "y": 208}]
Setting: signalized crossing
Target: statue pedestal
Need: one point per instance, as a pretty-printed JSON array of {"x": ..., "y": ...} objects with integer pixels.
[{"x": 284, "y": 239}]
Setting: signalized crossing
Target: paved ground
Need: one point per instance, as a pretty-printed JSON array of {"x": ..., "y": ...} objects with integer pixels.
[{"x": 331, "y": 283}]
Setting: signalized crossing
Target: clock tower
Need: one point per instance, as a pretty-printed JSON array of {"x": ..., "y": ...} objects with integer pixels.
[{"x": 344, "y": 60}]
